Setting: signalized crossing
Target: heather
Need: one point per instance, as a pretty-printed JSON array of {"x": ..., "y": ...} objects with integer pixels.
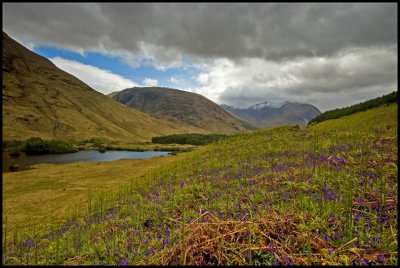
[{"x": 324, "y": 195}]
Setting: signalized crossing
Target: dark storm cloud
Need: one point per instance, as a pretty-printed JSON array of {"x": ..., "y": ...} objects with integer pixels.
[
  {"x": 269, "y": 30},
  {"x": 328, "y": 54}
]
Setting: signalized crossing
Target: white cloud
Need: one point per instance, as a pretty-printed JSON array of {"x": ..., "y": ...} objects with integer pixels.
[
  {"x": 346, "y": 78},
  {"x": 148, "y": 82},
  {"x": 175, "y": 80},
  {"x": 101, "y": 80}
]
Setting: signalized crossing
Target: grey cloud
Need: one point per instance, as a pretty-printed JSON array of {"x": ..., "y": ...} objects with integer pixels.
[
  {"x": 359, "y": 69},
  {"x": 234, "y": 30},
  {"x": 244, "y": 96},
  {"x": 283, "y": 33},
  {"x": 346, "y": 78}
]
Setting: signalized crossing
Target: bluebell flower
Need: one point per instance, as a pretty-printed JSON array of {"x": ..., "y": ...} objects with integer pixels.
[{"x": 380, "y": 258}]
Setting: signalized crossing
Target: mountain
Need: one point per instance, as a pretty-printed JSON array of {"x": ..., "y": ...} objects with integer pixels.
[
  {"x": 181, "y": 107},
  {"x": 41, "y": 100},
  {"x": 269, "y": 114}
]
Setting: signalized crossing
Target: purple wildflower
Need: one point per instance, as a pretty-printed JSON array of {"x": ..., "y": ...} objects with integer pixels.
[
  {"x": 29, "y": 243},
  {"x": 217, "y": 193},
  {"x": 122, "y": 261},
  {"x": 382, "y": 219},
  {"x": 377, "y": 240},
  {"x": 335, "y": 234},
  {"x": 255, "y": 208},
  {"x": 325, "y": 237},
  {"x": 359, "y": 201},
  {"x": 364, "y": 262},
  {"x": 287, "y": 260},
  {"x": 329, "y": 251},
  {"x": 380, "y": 258}
]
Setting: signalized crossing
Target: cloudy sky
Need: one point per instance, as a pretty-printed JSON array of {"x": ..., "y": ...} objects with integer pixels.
[{"x": 327, "y": 54}]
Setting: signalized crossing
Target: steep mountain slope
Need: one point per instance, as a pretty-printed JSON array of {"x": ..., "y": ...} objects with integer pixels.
[
  {"x": 181, "y": 107},
  {"x": 41, "y": 100},
  {"x": 266, "y": 114}
]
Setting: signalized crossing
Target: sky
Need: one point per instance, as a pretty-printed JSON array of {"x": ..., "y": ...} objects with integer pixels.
[{"x": 327, "y": 54}]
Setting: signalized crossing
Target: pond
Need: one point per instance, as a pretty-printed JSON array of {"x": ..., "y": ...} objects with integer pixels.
[{"x": 24, "y": 161}]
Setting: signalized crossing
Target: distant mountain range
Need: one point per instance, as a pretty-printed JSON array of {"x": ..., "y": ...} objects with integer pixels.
[
  {"x": 41, "y": 100},
  {"x": 270, "y": 114},
  {"x": 182, "y": 107}
]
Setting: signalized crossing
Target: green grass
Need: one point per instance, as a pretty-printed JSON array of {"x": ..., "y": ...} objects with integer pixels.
[{"x": 324, "y": 195}]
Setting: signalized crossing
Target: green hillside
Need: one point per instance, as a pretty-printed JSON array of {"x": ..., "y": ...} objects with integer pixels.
[
  {"x": 324, "y": 195},
  {"x": 182, "y": 107},
  {"x": 337, "y": 113},
  {"x": 40, "y": 100}
]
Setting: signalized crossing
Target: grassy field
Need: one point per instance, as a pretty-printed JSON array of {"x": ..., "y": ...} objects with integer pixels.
[
  {"x": 50, "y": 193},
  {"x": 324, "y": 195}
]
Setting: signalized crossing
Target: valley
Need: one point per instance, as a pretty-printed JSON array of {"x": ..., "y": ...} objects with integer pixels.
[{"x": 199, "y": 134}]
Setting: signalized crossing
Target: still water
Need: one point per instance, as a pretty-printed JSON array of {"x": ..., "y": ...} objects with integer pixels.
[{"x": 24, "y": 161}]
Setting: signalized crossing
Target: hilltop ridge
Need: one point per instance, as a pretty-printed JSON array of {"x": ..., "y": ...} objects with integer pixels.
[
  {"x": 41, "y": 100},
  {"x": 179, "y": 106}
]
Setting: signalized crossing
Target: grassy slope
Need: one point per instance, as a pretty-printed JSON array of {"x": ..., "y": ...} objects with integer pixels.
[
  {"x": 323, "y": 195},
  {"x": 41, "y": 100},
  {"x": 182, "y": 107}
]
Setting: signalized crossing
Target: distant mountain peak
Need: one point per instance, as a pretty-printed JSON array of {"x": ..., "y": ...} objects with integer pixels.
[
  {"x": 272, "y": 114},
  {"x": 268, "y": 104}
]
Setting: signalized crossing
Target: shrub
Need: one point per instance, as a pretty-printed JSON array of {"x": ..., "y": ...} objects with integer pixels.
[
  {"x": 15, "y": 152},
  {"x": 37, "y": 145},
  {"x": 194, "y": 139}
]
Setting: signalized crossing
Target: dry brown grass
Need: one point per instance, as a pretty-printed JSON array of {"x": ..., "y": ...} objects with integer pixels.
[{"x": 278, "y": 235}]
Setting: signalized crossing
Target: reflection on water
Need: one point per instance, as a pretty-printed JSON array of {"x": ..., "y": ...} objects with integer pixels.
[{"x": 24, "y": 161}]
